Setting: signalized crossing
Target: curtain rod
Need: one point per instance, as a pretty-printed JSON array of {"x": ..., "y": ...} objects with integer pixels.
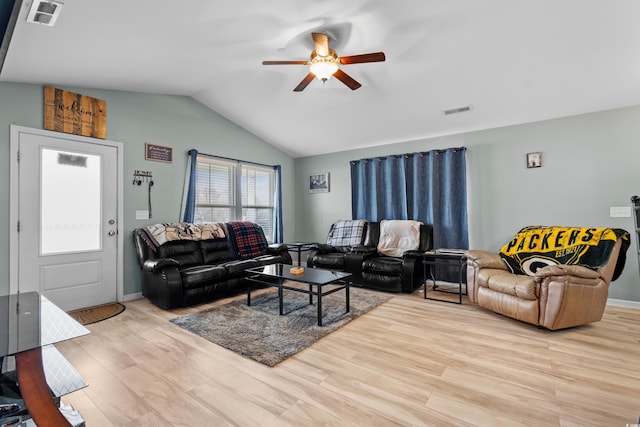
[
  {"x": 230, "y": 159},
  {"x": 421, "y": 153}
]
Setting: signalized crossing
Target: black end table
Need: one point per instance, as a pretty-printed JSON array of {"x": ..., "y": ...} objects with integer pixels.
[
  {"x": 447, "y": 258},
  {"x": 300, "y": 247}
]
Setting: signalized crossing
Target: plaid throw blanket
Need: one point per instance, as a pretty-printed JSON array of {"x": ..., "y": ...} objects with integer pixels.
[
  {"x": 248, "y": 239},
  {"x": 346, "y": 233},
  {"x": 158, "y": 234},
  {"x": 536, "y": 247}
]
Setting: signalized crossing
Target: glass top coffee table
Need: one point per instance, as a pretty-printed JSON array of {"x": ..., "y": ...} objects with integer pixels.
[
  {"x": 29, "y": 326},
  {"x": 277, "y": 274}
]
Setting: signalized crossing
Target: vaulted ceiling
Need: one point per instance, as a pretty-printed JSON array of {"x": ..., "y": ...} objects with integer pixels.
[{"x": 512, "y": 61}]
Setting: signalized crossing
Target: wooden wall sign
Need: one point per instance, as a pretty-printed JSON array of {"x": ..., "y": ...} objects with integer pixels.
[
  {"x": 158, "y": 152},
  {"x": 70, "y": 112}
]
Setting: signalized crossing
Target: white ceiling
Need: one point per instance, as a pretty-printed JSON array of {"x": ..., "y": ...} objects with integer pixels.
[{"x": 514, "y": 61}]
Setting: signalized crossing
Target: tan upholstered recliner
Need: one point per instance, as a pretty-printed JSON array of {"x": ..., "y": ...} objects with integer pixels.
[{"x": 558, "y": 296}]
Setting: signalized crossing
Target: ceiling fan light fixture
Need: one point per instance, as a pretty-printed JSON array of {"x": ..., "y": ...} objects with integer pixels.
[{"x": 323, "y": 69}]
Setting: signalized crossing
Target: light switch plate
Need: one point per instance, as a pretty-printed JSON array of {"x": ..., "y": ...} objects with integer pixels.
[
  {"x": 142, "y": 214},
  {"x": 620, "y": 212}
]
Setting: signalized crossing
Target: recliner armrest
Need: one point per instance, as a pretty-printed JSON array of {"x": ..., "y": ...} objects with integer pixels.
[
  {"x": 366, "y": 250},
  {"x": 566, "y": 270},
  {"x": 485, "y": 259},
  {"x": 155, "y": 265},
  {"x": 323, "y": 248},
  {"x": 412, "y": 253}
]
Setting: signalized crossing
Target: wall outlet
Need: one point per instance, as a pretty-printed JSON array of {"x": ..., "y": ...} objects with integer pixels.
[
  {"x": 145, "y": 214},
  {"x": 620, "y": 212}
]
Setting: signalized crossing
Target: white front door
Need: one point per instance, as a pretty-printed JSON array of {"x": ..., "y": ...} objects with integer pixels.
[{"x": 67, "y": 218}]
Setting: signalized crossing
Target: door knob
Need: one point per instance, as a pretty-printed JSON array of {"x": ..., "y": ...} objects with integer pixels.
[{"x": 111, "y": 233}]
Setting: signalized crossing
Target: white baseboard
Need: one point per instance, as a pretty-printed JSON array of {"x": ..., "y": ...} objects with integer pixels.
[
  {"x": 610, "y": 301},
  {"x": 623, "y": 303},
  {"x": 137, "y": 295}
]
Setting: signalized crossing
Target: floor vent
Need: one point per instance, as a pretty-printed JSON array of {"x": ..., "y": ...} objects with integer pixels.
[{"x": 44, "y": 12}]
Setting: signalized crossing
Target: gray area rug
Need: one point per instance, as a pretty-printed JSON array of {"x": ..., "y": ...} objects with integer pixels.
[{"x": 260, "y": 333}]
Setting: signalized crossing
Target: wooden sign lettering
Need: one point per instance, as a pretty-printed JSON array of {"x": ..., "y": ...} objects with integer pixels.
[
  {"x": 70, "y": 112},
  {"x": 158, "y": 153}
]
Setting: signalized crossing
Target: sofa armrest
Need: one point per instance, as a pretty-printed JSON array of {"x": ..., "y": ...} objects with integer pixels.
[
  {"x": 485, "y": 259},
  {"x": 277, "y": 248},
  {"x": 412, "y": 271},
  {"x": 165, "y": 289},
  {"x": 157, "y": 264}
]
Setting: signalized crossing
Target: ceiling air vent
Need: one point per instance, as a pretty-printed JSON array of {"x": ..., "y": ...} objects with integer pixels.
[
  {"x": 44, "y": 12},
  {"x": 457, "y": 110}
]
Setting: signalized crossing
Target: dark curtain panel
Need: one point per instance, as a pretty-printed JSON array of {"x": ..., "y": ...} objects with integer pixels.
[
  {"x": 277, "y": 211},
  {"x": 378, "y": 188},
  {"x": 437, "y": 194},
  {"x": 190, "y": 205},
  {"x": 428, "y": 187}
]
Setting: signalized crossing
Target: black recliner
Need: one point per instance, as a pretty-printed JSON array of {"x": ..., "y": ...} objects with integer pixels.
[
  {"x": 341, "y": 258},
  {"x": 395, "y": 274}
]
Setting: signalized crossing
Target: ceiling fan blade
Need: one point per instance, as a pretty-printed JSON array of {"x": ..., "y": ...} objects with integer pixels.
[
  {"x": 346, "y": 79},
  {"x": 365, "y": 57},
  {"x": 285, "y": 62},
  {"x": 305, "y": 82},
  {"x": 321, "y": 43}
]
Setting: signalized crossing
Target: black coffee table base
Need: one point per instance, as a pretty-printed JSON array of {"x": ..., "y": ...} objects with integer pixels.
[{"x": 315, "y": 279}]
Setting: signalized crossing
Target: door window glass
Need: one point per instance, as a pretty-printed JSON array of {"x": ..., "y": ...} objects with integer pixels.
[{"x": 70, "y": 215}]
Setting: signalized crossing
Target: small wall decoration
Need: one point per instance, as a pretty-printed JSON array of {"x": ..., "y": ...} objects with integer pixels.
[
  {"x": 158, "y": 153},
  {"x": 70, "y": 112},
  {"x": 319, "y": 183},
  {"x": 534, "y": 160}
]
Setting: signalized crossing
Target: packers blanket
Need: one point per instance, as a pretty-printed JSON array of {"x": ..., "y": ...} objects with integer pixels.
[
  {"x": 536, "y": 247},
  {"x": 158, "y": 234}
]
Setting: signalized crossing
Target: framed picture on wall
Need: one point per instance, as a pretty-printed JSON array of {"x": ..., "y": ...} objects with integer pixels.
[
  {"x": 319, "y": 182},
  {"x": 534, "y": 160}
]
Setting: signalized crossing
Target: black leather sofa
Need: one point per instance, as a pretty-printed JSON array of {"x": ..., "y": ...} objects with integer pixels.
[
  {"x": 371, "y": 269},
  {"x": 186, "y": 272}
]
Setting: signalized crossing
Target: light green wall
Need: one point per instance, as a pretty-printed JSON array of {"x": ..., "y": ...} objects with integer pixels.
[
  {"x": 134, "y": 119},
  {"x": 590, "y": 163}
]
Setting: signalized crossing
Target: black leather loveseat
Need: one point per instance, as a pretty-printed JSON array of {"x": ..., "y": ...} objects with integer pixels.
[
  {"x": 372, "y": 269},
  {"x": 184, "y": 264}
]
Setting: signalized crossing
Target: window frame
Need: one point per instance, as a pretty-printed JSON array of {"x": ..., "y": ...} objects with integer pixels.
[{"x": 238, "y": 180}]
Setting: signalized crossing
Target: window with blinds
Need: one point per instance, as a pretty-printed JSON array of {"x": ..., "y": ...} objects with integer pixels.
[{"x": 229, "y": 190}]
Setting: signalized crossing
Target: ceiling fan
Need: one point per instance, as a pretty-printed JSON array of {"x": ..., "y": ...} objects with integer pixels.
[{"x": 325, "y": 63}]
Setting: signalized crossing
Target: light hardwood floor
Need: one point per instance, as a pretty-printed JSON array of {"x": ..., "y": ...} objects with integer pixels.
[{"x": 408, "y": 362}]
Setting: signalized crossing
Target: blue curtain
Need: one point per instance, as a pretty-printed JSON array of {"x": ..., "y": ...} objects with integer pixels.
[
  {"x": 378, "y": 188},
  {"x": 190, "y": 203},
  {"x": 277, "y": 211},
  {"x": 437, "y": 194},
  {"x": 428, "y": 187}
]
